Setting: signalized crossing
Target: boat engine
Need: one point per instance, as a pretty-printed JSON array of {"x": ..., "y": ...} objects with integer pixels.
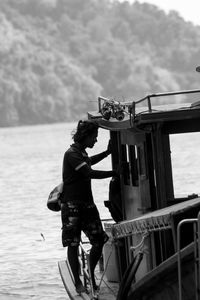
[{"x": 112, "y": 109}]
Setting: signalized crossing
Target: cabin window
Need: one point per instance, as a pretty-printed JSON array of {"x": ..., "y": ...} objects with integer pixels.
[
  {"x": 133, "y": 157},
  {"x": 185, "y": 156},
  {"x": 125, "y": 162},
  {"x": 141, "y": 150},
  {"x": 130, "y": 166}
]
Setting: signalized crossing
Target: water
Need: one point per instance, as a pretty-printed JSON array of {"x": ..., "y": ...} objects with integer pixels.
[{"x": 31, "y": 160}]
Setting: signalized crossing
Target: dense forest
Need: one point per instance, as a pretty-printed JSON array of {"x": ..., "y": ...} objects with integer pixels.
[{"x": 58, "y": 56}]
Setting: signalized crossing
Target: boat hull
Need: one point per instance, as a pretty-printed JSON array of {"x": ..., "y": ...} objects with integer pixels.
[{"x": 162, "y": 282}]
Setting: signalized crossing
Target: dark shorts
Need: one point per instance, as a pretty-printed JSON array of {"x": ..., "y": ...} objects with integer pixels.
[{"x": 77, "y": 217}]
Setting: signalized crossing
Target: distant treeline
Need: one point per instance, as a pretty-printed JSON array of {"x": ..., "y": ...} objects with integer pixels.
[{"x": 58, "y": 56}]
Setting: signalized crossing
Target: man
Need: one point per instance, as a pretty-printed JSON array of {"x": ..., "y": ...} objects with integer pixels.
[{"x": 78, "y": 211}]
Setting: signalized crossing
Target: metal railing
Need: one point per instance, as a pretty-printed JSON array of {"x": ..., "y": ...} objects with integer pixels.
[
  {"x": 147, "y": 99},
  {"x": 196, "y": 239}
]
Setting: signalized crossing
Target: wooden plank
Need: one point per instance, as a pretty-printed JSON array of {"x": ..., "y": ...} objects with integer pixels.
[{"x": 68, "y": 282}]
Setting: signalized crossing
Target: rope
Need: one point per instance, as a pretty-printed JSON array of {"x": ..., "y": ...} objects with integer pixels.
[
  {"x": 141, "y": 244},
  {"x": 106, "y": 266},
  {"x": 86, "y": 252}
]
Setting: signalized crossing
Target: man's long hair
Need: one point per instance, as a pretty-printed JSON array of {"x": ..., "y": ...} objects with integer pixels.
[{"x": 84, "y": 128}]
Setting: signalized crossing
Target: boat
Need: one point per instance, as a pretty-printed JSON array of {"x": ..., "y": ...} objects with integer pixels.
[{"x": 154, "y": 233}]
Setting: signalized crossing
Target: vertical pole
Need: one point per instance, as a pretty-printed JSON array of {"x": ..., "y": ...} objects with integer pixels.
[
  {"x": 195, "y": 259},
  {"x": 179, "y": 260},
  {"x": 198, "y": 241},
  {"x": 149, "y": 103},
  {"x": 99, "y": 103}
]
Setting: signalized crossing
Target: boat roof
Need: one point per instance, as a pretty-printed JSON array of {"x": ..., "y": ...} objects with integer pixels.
[{"x": 177, "y": 116}]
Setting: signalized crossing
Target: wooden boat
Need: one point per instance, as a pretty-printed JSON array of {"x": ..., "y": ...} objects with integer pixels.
[{"x": 154, "y": 233}]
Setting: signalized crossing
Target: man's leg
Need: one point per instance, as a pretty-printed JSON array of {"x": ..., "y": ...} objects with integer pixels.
[
  {"x": 93, "y": 229},
  {"x": 72, "y": 254},
  {"x": 95, "y": 255}
]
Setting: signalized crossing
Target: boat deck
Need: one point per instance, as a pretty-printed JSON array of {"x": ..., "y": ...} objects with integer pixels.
[
  {"x": 108, "y": 290},
  {"x": 105, "y": 280}
]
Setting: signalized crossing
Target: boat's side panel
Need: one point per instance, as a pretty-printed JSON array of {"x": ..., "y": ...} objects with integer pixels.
[{"x": 162, "y": 282}]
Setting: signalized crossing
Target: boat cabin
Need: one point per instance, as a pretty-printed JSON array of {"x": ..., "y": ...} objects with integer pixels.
[{"x": 149, "y": 210}]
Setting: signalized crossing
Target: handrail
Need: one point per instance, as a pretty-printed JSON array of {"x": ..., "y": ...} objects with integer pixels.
[
  {"x": 168, "y": 94},
  {"x": 130, "y": 106},
  {"x": 196, "y": 235},
  {"x": 148, "y": 97}
]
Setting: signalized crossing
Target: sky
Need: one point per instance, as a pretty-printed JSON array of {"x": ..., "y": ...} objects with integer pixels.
[{"x": 188, "y": 9}]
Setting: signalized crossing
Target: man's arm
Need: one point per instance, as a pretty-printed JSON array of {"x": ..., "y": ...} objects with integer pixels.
[
  {"x": 98, "y": 157},
  {"x": 86, "y": 171}
]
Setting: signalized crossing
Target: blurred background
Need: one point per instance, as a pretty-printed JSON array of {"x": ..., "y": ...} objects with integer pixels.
[{"x": 58, "y": 56}]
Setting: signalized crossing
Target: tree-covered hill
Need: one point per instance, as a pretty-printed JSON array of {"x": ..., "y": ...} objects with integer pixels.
[{"x": 58, "y": 56}]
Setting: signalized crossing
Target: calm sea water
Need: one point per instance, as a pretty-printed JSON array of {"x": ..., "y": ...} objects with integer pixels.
[
  {"x": 31, "y": 163},
  {"x": 31, "y": 160}
]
